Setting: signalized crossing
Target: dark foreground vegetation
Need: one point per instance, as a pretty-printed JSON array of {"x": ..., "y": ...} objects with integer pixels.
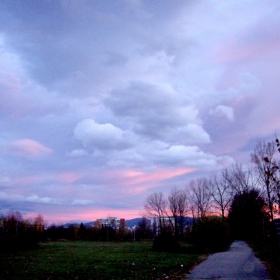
[
  {"x": 96, "y": 260},
  {"x": 269, "y": 252}
]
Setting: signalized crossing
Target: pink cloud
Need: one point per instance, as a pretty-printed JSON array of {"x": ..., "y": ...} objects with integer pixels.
[
  {"x": 142, "y": 181},
  {"x": 26, "y": 148},
  {"x": 13, "y": 102},
  {"x": 67, "y": 177},
  {"x": 134, "y": 177},
  {"x": 238, "y": 50},
  {"x": 63, "y": 177},
  {"x": 27, "y": 180}
]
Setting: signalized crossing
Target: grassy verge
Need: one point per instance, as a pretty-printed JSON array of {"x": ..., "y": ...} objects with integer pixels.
[
  {"x": 270, "y": 256},
  {"x": 96, "y": 260}
]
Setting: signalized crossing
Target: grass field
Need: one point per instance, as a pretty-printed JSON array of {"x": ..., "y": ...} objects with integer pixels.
[{"x": 95, "y": 260}]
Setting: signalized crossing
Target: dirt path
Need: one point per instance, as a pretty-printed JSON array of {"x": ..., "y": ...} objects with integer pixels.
[{"x": 237, "y": 263}]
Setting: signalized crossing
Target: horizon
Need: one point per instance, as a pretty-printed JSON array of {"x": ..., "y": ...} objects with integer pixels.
[{"x": 104, "y": 103}]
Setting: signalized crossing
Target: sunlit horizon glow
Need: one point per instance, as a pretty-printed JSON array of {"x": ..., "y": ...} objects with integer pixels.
[
  {"x": 104, "y": 103},
  {"x": 81, "y": 217}
]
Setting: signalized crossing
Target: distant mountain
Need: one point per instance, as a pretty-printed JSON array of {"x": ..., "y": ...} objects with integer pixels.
[
  {"x": 78, "y": 223},
  {"x": 88, "y": 224},
  {"x": 133, "y": 222},
  {"x": 129, "y": 223}
]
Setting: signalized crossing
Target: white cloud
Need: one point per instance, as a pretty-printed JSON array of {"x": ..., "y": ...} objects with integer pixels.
[
  {"x": 190, "y": 156},
  {"x": 155, "y": 153},
  {"x": 30, "y": 199},
  {"x": 191, "y": 133},
  {"x": 5, "y": 180},
  {"x": 225, "y": 111},
  {"x": 82, "y": 202},
  {"x": 246, "y": 86},
  {"x": 41, "y": 200},
  {"x": 77, "y": 153},
  {"x": 101, "y": 136}
]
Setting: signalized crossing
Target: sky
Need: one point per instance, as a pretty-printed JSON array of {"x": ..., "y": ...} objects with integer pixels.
[{"x": 105, "y": 102}]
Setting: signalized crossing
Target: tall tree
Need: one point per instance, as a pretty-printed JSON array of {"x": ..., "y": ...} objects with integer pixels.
[
  {"x": 264, "y": 160},
  {"x": 155, "y": 207},
  {"x": 143, "y": 229},
  {"x": 39, "y": 223},
  {"x": 277, "y": 179},
  {"x": 199, "y": 195},
  {"x": 240, "y": 179},
  {"x": 221, "y": 192},
  {"x": 14, "y": 222},
  {"x": 177, "y": 204},
  {"x": 247, "y": 215}
]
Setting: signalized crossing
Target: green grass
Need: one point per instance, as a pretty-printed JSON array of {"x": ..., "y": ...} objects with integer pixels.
[{"x": 95, "y": 260}]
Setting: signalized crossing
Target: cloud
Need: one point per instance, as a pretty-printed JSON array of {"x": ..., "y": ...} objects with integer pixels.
[
  {"x": 222, "y": 110},
  {"x": 5, "y": 180},
  {"x": 77, "y": 153},
  {"x": 114, "y": 59},
  {"x": 41, "y": 200},
  {"x": 157, "y": 111},
  {"x": 67, "y": 177},
  {"x": 161, "y": 154},
  {"x": 26, "y": 148},
  {"x": 247, "y": 85},
  {"x": 101, "y": 136},
  {"x": 191, "y": 156},
  {"x": 82, "y": 202},
  {"x": 33, "y": 198},
  {"x": 123, "y": 95},
  {"x": 191, "y": 133},
  {"x": 258, "y": 40}
]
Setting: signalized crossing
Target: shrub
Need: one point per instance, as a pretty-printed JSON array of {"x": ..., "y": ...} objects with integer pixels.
[
  {"x": 166, "y": 242},
  {"x": 211, "y": 234}
]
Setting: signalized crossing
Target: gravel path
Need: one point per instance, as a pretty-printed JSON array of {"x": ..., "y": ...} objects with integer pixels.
[{"x": 237, "y": 263}]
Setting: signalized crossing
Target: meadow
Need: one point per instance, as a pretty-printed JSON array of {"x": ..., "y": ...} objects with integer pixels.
[{"x": 96, "y": 260}]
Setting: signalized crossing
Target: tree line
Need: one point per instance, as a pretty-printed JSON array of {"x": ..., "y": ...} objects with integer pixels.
[
  {"x": 241, "y": 200},
  {"x": 99, "y": 232},
  {"x": 17, "y": 233}
]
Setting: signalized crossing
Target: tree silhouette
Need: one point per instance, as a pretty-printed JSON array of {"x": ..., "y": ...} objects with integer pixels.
[
  {"x": 266, "y": 165},
  {"x": 247, "y": 215}
]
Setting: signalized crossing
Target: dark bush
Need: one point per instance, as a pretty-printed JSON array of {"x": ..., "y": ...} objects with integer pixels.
[
  {"x": 211, "y": 234},
  {"x": 248, "y": 217},
  {"x": 19, "y": 242},
  {"x": 166, "y": 242}
]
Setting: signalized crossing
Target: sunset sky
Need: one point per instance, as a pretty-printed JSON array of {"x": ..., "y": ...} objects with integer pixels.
[{"x": 105, "y": 102}]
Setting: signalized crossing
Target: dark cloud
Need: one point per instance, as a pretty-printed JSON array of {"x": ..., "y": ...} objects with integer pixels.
[{"x": 155, "y": 110}]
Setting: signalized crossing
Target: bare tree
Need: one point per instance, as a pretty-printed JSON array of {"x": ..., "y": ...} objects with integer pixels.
[
  {"x": 155, "y": 207},
  {"x": 200, "y": 198},
  {"x": 39, "y": 223},
  {"x": 276, "y": 178},
  {"x": 239, "y": 179},
  {"x": 264, "y": 160},
  {"x": 221, "y": 192},
  {"x": 177, "y": 204},
  {"x": 14, "y": 220}
]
